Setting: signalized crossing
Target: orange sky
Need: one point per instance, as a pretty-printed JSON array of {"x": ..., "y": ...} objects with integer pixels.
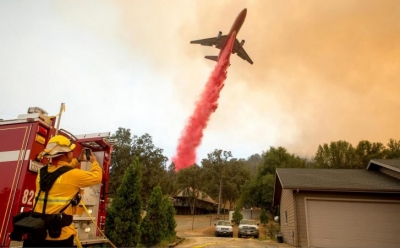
[{"x": 328, "y": 70}]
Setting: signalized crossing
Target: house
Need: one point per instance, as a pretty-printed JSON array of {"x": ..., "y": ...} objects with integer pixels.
[
  {"x": 340, "y": 207},
  {"x": 204, "y": 203}
]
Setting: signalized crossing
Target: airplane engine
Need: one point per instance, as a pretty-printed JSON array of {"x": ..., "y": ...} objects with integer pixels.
[
  {"x": 219, "y": 35},
  {"x": 242, "y": 43}
]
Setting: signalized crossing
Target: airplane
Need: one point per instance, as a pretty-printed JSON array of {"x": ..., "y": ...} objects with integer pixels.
[{"x": 221, "y": 40}]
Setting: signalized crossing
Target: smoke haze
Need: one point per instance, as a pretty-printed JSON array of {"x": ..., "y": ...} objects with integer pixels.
[
  {"x": 327, "y": 70},
  {"x": 323, "y": 70}
]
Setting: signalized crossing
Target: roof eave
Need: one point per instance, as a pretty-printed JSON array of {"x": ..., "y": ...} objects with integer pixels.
[
  {"x": 358, "y": 190},
  {"x": 382, "y": 165}
]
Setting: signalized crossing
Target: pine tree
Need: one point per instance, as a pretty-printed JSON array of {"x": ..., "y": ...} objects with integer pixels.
[
  {"x": 170, "y": 218},
  {"x": 124, "y": 214},
  {"x": 154, "y": 224}
]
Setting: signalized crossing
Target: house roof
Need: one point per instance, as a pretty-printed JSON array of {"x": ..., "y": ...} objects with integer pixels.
[
  {"x": 202, "y": 195},
  {"x": 337, "y": 180},
  {"x": 392, "y": 164}
]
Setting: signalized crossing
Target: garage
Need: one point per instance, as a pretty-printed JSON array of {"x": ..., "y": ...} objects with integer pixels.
[
  {"x": 349, "y": 223},
  {"x": 340, "y": 207}
]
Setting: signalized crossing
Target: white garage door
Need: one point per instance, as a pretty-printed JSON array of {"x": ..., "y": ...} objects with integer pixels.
[{"x": 333, "y": 223}]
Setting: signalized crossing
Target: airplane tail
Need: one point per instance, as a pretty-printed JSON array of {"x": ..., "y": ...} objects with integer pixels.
[{"x": 215, "y": 58}]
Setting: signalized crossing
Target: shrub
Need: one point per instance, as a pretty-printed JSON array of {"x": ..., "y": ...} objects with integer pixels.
[
  {"x": 263, "y": 217},
  {"x": 272, "y": 228},
  {"x": 237, "y": 216}
]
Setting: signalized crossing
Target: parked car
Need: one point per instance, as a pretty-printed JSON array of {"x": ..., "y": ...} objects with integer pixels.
[
  {"x": 248, "y": 228},
  {"x": 223, "y": 228}
]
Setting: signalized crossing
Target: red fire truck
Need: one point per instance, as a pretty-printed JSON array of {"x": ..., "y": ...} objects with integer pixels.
[{"x": 21, "y": 140}]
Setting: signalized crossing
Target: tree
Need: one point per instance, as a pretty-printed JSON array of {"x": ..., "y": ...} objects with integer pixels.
[
  {"x": 215, "y": 170},
  {"x": 236, "y": 176},
  {"x": 168, "y": 206},
  {"x": 124, "y": 214},
  {"x": 264, "y": 191},
  {"x": 279, "y": 158},
  {"x": 121, "y": 158},
  {"x": 259, "y": 191},
  {"x": 393, "y": 150},
  {"x": 252, "y": 163},
  {"x": 191, "y": 180},
  {"x": 154, "y": 225},
  {"x": 237, "y": 216},
  {"x": 151, "y": 158},
  {"x": 154, "y": 165},
  {"x": 171, "y": 186},
  {"x": 336, "y": 155},
  {"x": 365, "y": 151},
  {"x": 247, "y": 199}
]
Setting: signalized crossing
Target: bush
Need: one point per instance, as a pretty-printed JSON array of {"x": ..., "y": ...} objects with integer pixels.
[
  {"x": 272, "y": 228},
  {"x": 237, "y": 216},
  {"x": 263, "y": 217}
]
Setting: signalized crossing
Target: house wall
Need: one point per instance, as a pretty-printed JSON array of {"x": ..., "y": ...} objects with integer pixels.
[
  {"x": 287, "y": 217},
  {"x": 301, "y": 209}
]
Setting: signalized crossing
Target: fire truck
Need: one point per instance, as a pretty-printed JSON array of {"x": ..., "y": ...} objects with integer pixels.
[{"x": 21, "y": 140}]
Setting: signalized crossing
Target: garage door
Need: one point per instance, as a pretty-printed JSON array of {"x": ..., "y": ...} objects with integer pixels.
[{"x": 333, "y": 223}]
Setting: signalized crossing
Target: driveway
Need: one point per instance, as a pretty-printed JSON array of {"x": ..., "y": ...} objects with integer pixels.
[{"x": 202, "y": 234}]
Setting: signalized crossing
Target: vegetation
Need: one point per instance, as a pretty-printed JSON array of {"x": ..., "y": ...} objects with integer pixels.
[
  {"x": 272, "y": 228},
  {"x": 237, "y": 216},
  {"x": 225, "y": 177},
  {"x": 142, "y": 148},
  {"x": 156, "y": 225},
  {"x": 140, "y": 177},
  {"x": 342, "y": 155},
  {"x": 263, "y": 217},
  {"x": 124, "y": 214},
  {"x": 169, "y": 209},
  {"x": 190, "y": 180}
]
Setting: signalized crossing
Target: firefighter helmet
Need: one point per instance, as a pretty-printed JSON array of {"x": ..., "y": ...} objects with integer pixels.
[{"x": 56, "y": 146}]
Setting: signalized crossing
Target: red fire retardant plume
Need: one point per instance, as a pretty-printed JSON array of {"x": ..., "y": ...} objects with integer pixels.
[{"x": 208, "y": 103}]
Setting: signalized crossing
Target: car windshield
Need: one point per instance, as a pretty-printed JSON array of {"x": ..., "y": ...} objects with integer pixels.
[
  {"x": 223, "y": 223},
  {"x": 248, "y": 222}
]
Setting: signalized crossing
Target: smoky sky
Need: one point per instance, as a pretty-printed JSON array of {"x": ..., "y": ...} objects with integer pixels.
[
  {"x": 329, "y": 70},
  {"x": 323, "y": 70}
]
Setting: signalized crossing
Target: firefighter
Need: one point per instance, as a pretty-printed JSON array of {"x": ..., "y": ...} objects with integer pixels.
[{"x": 65, "y": 188}]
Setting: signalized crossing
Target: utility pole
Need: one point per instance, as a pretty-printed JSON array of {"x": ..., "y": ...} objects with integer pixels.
[{"x": 219, "y": 195}]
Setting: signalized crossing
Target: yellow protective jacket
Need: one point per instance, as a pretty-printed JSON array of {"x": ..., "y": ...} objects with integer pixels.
[{"x": 64, "y": 189}]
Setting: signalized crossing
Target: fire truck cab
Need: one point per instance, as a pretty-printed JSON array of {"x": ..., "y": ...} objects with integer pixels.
[{"x": 21, "y": 140}]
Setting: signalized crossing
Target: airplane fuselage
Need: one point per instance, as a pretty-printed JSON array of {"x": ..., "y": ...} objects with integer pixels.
[
  {"x": 235, "y": 27},
  {"x": 238, "y": 22}
]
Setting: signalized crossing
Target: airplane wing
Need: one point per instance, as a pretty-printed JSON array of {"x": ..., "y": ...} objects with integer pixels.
[
  {"x": 239, "y": 50},
  {"x": 219, "y": 41},
  {"x": 215, "y": 41}
]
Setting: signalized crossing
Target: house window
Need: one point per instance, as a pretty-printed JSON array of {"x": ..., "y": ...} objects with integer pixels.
[{"x": 285, "y": 217}]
